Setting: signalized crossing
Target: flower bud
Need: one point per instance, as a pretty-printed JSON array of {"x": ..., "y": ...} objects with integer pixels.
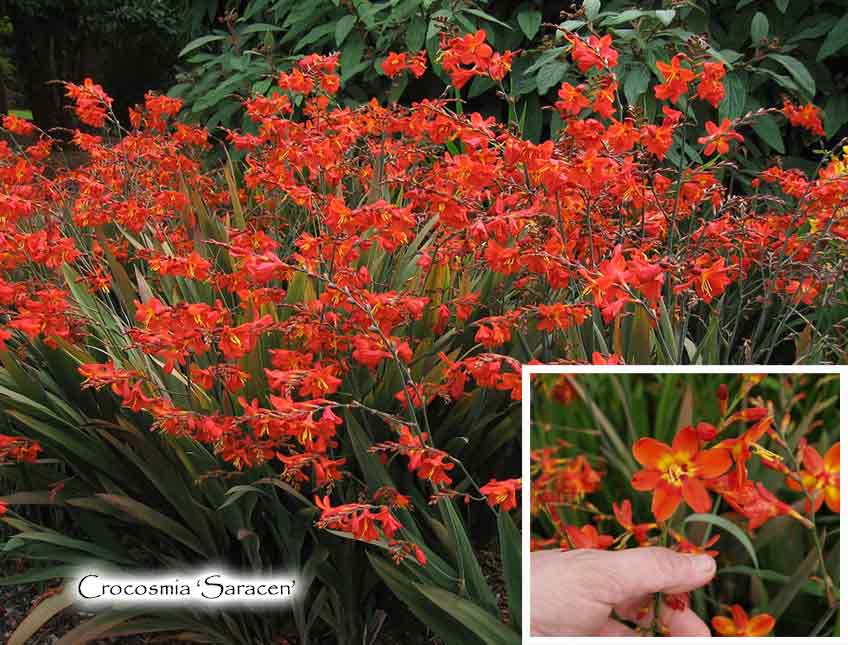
[
  {"x": 721, "y": 394},
  {"x": 706, "y": 431}
]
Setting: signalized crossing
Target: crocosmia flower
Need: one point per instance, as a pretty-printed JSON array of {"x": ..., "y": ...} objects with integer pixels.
[
  {"x": 820, "y": 477},
  {"x": 677, "y": 472},
  {"x": 502, "y": 493},
  {"x": 741, "y": 625},
  {"x": 586, "y": 537}
]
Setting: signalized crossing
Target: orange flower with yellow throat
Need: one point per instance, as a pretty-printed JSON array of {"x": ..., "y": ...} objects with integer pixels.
[{"x": 677, "y": 473}]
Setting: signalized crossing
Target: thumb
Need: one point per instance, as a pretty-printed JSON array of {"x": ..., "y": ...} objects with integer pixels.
[{"x": 647, "y": 570}]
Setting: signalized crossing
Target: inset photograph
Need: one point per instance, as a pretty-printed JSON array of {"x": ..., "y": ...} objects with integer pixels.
[{"x": 678, "y": 504}]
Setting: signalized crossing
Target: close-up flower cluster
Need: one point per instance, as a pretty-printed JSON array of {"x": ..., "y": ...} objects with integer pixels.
[{"x": 742, "y": 468}]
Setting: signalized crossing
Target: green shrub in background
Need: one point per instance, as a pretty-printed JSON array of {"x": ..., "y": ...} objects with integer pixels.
[{"x": 771, "y": 48}]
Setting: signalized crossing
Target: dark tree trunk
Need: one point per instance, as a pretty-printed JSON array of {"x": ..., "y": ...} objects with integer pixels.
[
  {"x": 4, "y": 97},
  {"x": 38, "y": 56},
  {"x": 63, "y": 47}
]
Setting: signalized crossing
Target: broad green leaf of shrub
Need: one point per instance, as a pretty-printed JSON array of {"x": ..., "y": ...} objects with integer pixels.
[
  {"x": 636, "y": 83},
  {"x": 759, "y": 27},
  {"x": 258, "y": 27},
  {"x": 591, "y": 8},
  {"x": 343, "y": 27},
  {"x": 416, "y": 32},
  {"x": 550, "y": 75},
  {"x": 768, "y": 130},
  {"x": 798, "y": 72},
  {"x": 835, "y": 40},
  {"x": 529, "y": 19},
  {"x": 835, "y": 114},
  {"x": 736, "y": 93},
  {"x": 485, "y": 16},
  {"x": 199, "y": 42}
]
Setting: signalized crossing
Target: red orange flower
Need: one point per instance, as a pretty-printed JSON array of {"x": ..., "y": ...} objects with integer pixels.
[
  {"x": 807, "y": 116},
  {"x": 820, "y": 477},
  {"x": 711, "y": 89},
  {"x": 678, "y": 472},
  {"x": 741, "y": 625},
  {"x": 676, "y": 79},
  {"x": 718, "y": 137},
  {"x": 624, "y": 516},
  {"x": 502, "y": 493},
  {"x": 586, "y": 537}
]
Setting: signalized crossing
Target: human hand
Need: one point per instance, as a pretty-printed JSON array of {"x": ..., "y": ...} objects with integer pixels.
[{"x": 574, "y": 593}]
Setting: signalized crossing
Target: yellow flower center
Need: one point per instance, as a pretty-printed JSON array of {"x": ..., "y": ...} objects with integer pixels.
[{"x": 675, "y": 468}]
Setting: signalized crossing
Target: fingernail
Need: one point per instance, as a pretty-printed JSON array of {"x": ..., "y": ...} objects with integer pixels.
[{"x": 704, "y": 564}]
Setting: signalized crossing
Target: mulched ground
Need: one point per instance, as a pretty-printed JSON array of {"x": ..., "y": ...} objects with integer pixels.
[{"x": 17, "y": 601}]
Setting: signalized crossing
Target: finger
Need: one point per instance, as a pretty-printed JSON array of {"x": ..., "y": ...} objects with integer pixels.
[
  {"x": 679, "y": 622},
  {"x": 683, "y": 623},
  {"x": 615, "y": 628},
  {"x": 560, "y": 604},
  {"x": 632, "y": 573},
  {"x": 638, "y": 610}
]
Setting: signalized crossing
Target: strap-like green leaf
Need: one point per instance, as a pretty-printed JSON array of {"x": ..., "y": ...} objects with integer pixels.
[
  {"x": 43, "y": 612},
  {"x": 788, "y": 592},
  {"x": 730, "y": 527},
  {"x": 447, "y": 627},
  {"x": 486, "y": 626},
  {"x": 510, "y": 542}
]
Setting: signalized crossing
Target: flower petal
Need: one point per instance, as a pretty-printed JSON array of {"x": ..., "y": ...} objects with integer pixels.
[
  {"x": 740, "y": 617},
  {"x": 666, "y": 500},
  {"x": 712, "y": 463},
  {"x": 812, "y": 460},
  {"x": 724, "y": 626},
  {"x": 686, "y": 440},
  {"x": 831, "y": 458},
  {"x": 645, "y": 479},
  {"x": 831, "y": 498},
  {"x": 696, "y": 495},
  {"x": 649, "y": 451},
  {"x": 760, "y": 625}
]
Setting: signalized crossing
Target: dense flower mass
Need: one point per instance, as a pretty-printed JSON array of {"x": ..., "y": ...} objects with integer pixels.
[
  {"x": 730, "y": 471},
  {"x": 351, "y": 274}
]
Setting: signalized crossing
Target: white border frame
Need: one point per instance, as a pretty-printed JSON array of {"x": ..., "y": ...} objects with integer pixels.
[{"x": 528, "y": 370}]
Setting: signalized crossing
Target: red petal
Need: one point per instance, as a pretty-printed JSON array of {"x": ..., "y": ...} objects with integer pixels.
[
  {"x": 645, "y": 479},
  {"x": 740, "y": 617},
  {"x": 760, "y": 625},
  {"x": 696, "y": 495},
  {"x": 686, "y": 440},
  {"x": 724, "y": 626},
  {"x": 712, "y": 463},
  {"x": 813, "y": 460},
  {"x": 649, "y": 451},
  {"x": 666, "y": 500},
  {"x": 831, "y": 498},
  {"x": 831, "y": 458}
]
